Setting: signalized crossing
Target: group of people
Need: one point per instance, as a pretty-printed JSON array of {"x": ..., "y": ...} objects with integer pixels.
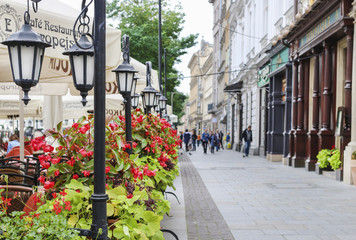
[{"x": 214, "y": 140}]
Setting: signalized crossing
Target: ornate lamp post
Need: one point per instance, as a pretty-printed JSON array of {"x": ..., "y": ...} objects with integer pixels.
[
  {"x": 134, "y": 100},
  {"x": 81, "y": 57},
  {"x": 83, "y": 69},
  {"x": 26, "y": 50},
  {"x": 156, "y": 104},
  {"x": 148, "y": 93},
  {"x": 126, "y": 83},
  {"x": 134, "y": 96},
  {"x": 162, "y": 103}
]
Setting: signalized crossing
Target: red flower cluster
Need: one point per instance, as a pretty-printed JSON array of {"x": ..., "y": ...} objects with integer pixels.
[{"x": 38, "y": 143}]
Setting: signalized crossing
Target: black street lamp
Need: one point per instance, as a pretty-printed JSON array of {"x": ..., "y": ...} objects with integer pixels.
[
  {"x": 134, "y": 100},
  {"x": 26, "y": 50},
  {"x": 81, "y": 57},
  {"x": 126, "y": 83},
  {"x": 134, "y": 96},
  {"x": 99, "y": 227},
  {"x": 148, "y": 93},
  {"x": 162, "y": 103},
  {"x": 156, "y": 104}
]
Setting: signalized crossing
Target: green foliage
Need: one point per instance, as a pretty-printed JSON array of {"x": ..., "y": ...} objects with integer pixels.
[
  {"x": 323, "y": 158},
  {"x": 327, "y": 157},
  {"x": 139, "y": 20},
  {"x": 134, "y": 182},
  {"x": 38, "y": 225},
  {"x": 353, "y": 156},
  {"x": 334, "y": 159}
]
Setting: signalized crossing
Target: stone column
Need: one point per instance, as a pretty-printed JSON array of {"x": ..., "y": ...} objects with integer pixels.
[
  {"x": 300, "y": 134},
  {"x": 348, "y": 84},
  {"x": 277, "y": 119},
  {"x": 351, "y": 147},
  {"x": 326, "y": 140},
  {"x": 287, "y": 113},
  {"x": 294, "y": 112},
  {"x": 270, "y": 124},
  {"x": 313, "y": 133}
]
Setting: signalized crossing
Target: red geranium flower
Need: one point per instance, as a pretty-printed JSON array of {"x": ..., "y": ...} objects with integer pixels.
[{"x": 86, "y": 173}]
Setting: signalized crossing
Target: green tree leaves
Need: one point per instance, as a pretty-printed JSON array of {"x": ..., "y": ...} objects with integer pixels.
[{"x": 139, "y": 20}]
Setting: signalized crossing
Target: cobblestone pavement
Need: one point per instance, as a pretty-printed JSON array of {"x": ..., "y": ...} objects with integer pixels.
[
  {"x": 203, "y": 219},
  {"x": 262, "y": 200}
]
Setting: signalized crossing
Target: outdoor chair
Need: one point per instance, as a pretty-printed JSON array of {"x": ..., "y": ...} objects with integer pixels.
[
  {"x": 17, "y": 203},
  {"x": 21, "y": 173},
  {"x": 16, "y": 152}
]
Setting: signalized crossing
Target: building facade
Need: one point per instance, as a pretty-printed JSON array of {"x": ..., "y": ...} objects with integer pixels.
[
  {"x": 320, "y": 41},
  {"x": 201, "y": 87},
  {"x": 254, "y": 27}
]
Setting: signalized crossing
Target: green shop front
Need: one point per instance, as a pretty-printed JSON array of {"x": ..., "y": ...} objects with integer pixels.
[{"x": 279, "y": 104}]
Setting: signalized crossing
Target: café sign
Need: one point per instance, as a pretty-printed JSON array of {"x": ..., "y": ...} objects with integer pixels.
[{"x": 320, "y": 28}]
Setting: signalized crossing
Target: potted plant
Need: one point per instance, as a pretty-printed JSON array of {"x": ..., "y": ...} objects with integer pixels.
[
  {"x": 44, "y": 223},
  {"x": 134, "y": 182},
  {"x": 323, "y": 162}
]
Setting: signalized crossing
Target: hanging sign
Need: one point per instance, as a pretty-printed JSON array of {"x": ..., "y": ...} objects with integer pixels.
[
  {"x": 320, "y": 28},
  {"x": 263, "y": 78}
]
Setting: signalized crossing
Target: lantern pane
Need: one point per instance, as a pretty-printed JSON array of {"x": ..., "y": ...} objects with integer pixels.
[
  {"x": 90, "y": 70},
  {"x": 38, "y": 61},
  {"x": 129, "y": 82},
  {"x": 150, "y": 98},
  {"x": 27, "y": 55},
  {"x": 14, "y": 57},
  {"x": 79, "y": 69},
  {"x": 122, "y": 81},
  {"x": 133, "y": 87}
]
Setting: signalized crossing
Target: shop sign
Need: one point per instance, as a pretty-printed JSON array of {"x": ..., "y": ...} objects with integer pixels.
[
  {"x": 279, "y": 59},
  {"x": 320, "y": 28},
  {"x": 263, "y": 78}
]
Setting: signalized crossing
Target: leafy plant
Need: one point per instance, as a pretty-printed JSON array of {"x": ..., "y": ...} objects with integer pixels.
[
  {"x": 334, "y": 159},
  {"x": 323, "y": 157},
  {"x": 134, "y": 182},
  {"x": 327, "y": 157},
  {"x": 49, "y": 221},
  {"x": 353, "y": 156}
]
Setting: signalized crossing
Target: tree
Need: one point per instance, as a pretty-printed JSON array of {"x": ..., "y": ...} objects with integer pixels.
[{"x": 139, "y": 20}]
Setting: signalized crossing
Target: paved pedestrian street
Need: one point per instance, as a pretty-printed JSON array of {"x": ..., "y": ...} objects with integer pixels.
[{"x": 227, "y": 196}]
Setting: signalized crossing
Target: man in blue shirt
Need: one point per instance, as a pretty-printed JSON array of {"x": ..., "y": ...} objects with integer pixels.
[
  {"x": 205, "y": 139},
  {"x": 14, "y": 142}
]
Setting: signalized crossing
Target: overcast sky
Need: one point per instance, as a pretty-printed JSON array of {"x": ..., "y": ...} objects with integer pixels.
[{"x": 199, "y": 19}]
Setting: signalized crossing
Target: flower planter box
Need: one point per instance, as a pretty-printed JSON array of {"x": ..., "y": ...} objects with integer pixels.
[
  {"x": 339, "y": 174},
  {"x": 353, "y": 170},
  {"x": 319, "y": 170}
]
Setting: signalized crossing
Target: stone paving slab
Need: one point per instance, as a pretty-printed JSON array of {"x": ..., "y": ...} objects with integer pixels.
[
  {"x": 204, "y": 220},
  {"x": 262, "y": 200}
]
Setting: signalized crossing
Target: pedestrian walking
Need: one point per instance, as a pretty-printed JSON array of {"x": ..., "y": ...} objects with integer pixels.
[
  {"x": 217, "y": 141},
  {"x": 221, "y": 136},
  {"x": 227, "y": 141},
  {"x": 247, "y": 137},
  {"x": 194, "y": 139},
  {"x": 205, "y": 139},
  {"x": 186, "y": 138},
  {"x": 212, "y": 141},
  {"x": 181, "y": 139},
  {"x": 198, "y": 138}
]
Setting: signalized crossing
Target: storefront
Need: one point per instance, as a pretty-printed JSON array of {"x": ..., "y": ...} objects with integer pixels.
[
  {"x": 279, "y": 105},
  {"x": 263, "y": 86},
  {"x": 321, "y": 51}
]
